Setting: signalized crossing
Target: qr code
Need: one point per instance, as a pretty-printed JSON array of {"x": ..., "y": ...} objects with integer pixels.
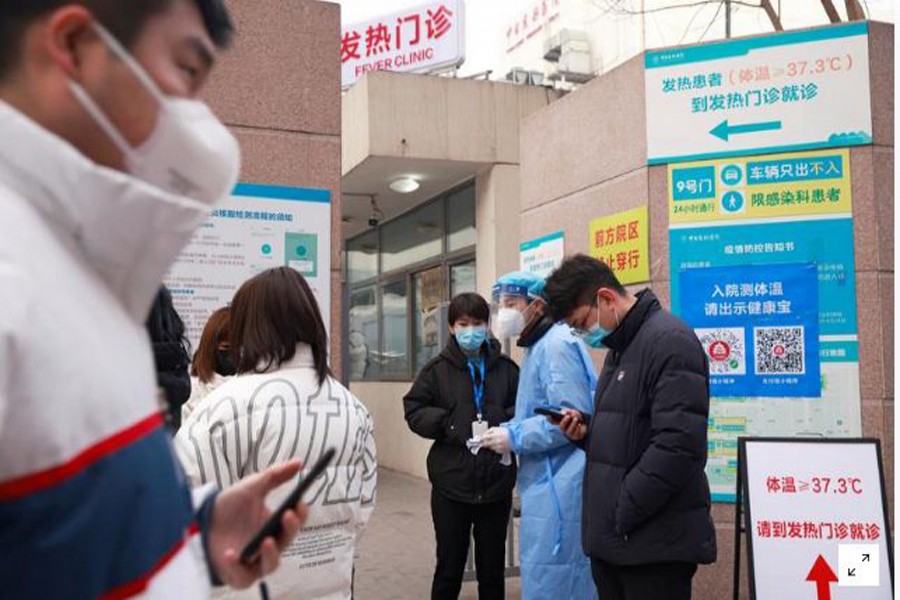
[
  {"x": 725, "y": 350},
  {"x": 779, "y": 350}
]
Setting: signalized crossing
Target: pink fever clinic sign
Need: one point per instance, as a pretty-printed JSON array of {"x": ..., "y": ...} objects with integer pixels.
[{"x": 414, "y": 40}]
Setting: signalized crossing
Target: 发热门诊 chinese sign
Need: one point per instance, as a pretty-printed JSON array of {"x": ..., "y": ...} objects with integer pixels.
[{"x": 413, "y": 40}]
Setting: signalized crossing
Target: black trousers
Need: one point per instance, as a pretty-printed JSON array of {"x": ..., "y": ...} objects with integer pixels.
[
  {"x": 454, "y": 522},
  {"x": 660, "y": 581}
]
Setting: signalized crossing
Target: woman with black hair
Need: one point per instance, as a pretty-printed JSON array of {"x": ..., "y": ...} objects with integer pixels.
[
  {"x": 470, "y": 387},
  {"x": 283, "y": 404}
]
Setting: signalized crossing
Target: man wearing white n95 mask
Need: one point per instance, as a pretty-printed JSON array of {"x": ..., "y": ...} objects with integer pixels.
[
  {"x": 108, "y": 163},
  {"x": 558, "y": 371}
]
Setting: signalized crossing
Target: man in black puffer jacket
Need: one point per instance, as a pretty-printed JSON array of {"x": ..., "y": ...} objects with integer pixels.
[
  {"x": 468, "y": 388},
  {"x": 646, "y": 520}
]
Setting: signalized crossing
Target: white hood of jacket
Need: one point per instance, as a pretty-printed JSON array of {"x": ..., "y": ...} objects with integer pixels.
[{"x": 129, "y": 231}]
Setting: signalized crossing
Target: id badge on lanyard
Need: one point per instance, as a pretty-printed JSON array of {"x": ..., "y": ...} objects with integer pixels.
[{"x": 480, "y": 426}]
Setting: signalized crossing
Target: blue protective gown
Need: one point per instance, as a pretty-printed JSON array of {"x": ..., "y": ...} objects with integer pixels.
[{"x": 556, "y": 370}]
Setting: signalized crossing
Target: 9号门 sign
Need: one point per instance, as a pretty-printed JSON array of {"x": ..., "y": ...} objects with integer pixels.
[
  {"x": 413, "y": 40},
  {"x": 794, "y": 91}
]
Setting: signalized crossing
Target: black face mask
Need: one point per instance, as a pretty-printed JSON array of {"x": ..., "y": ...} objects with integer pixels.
[{"x": 225, "y": 362}]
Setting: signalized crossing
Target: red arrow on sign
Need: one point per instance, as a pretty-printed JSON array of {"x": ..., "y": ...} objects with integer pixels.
[{"x": 822, "y": 574}]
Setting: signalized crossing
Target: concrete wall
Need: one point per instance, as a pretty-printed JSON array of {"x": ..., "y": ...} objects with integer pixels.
[
  {"x": 497, "y": 224},
  {"x": 420, "y": 117},
  {"x": 873, "y": 212},
  {"x": 278, "y": 88},
  {"x": 584, "y": 157},
  {"x": 447, "y": 119}
]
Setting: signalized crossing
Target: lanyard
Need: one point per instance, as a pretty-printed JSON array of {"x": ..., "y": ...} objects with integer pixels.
[{"x": 478, "y": 386}]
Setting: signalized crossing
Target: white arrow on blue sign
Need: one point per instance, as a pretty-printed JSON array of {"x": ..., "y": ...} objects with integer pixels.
[{"x": 793, "y": 91}]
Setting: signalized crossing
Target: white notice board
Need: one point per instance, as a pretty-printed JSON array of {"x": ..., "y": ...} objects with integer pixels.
[
  {"x": 257, "y": 228},
  {"x": 542, "y": 255},
  {"x": 815, "y": 518}
]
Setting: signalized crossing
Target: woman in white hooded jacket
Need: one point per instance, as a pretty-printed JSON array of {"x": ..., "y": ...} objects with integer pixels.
[{"x": 284, "y": 404}]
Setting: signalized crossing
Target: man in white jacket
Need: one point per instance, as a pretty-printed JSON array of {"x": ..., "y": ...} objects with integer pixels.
[{"x": 107, "y": 164}]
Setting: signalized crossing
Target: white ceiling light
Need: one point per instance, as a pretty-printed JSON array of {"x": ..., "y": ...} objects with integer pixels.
[{"x": 404, "y": 185}]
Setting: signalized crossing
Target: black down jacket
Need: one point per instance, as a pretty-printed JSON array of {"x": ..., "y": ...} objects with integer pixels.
[
  {"x": 646, "y": 496},
  {"x": 441, "y": 406}
]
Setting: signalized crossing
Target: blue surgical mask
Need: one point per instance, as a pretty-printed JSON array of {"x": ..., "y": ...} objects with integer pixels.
[
  {"x": 471, "y": 338},
  {"x": 594, "y": 337}
]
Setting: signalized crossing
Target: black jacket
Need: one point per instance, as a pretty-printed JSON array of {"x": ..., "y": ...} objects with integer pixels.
[
  {"x": 646, "y": 497},
  {"x": 441, "y": 406},
  {"x": 173, "y": 378},
  {"x": 171, "y": 354}
]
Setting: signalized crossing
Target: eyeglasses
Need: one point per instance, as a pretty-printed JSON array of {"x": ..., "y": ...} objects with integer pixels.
[{"x": 581, "y": 329}]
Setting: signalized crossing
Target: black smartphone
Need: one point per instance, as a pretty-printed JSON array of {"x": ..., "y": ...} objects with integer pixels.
[
  {"x": 554, "y": 412},
  {"x": 272, "y": 527}
]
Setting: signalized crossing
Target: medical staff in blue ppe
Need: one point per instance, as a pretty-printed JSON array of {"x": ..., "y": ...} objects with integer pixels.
[{"x": 556, "y": 371}]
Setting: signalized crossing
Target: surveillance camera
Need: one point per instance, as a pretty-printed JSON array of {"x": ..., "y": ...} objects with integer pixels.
[{"x": 373, "y": 222}]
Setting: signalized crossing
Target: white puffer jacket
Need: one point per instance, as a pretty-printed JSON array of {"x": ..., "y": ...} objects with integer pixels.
[
  {"x": 92, "y": 502},
  {"x": 254, "y": 421},
  {"x": 199, "y": 391}
]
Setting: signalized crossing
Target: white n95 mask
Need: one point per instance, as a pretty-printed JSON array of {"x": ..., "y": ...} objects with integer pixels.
[
  {"x": 509, "y": 323},
  {"x": 190, "y": 152}
]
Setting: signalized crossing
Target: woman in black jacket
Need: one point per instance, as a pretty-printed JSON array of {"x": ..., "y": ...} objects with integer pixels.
[{"x": 468, "y": 388}]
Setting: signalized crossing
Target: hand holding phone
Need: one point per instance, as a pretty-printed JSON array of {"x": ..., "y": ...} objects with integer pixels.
[
  {"x": 574, "y": 425},
  {"x": 554, "y": 413},
  {"x": 272, "y": 527}
]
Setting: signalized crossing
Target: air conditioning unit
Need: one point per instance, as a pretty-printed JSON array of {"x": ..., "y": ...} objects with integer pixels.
[
  {"x": 552, "y": 49},
  {"x": 567, "y": 40},
  {"x": 574, "y": 67},
  {"x": 517, "y": 75},
  {"x": 521, "y": 76},
  {"x": 575, "y": 63}
]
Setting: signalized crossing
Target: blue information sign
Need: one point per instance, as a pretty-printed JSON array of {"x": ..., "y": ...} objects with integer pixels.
[{"x": 759, "y": 326}]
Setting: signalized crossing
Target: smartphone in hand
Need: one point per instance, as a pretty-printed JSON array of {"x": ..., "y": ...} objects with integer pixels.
[
  {"x": 272, "y": 527},
  {"x": 555, "y": 413}
]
